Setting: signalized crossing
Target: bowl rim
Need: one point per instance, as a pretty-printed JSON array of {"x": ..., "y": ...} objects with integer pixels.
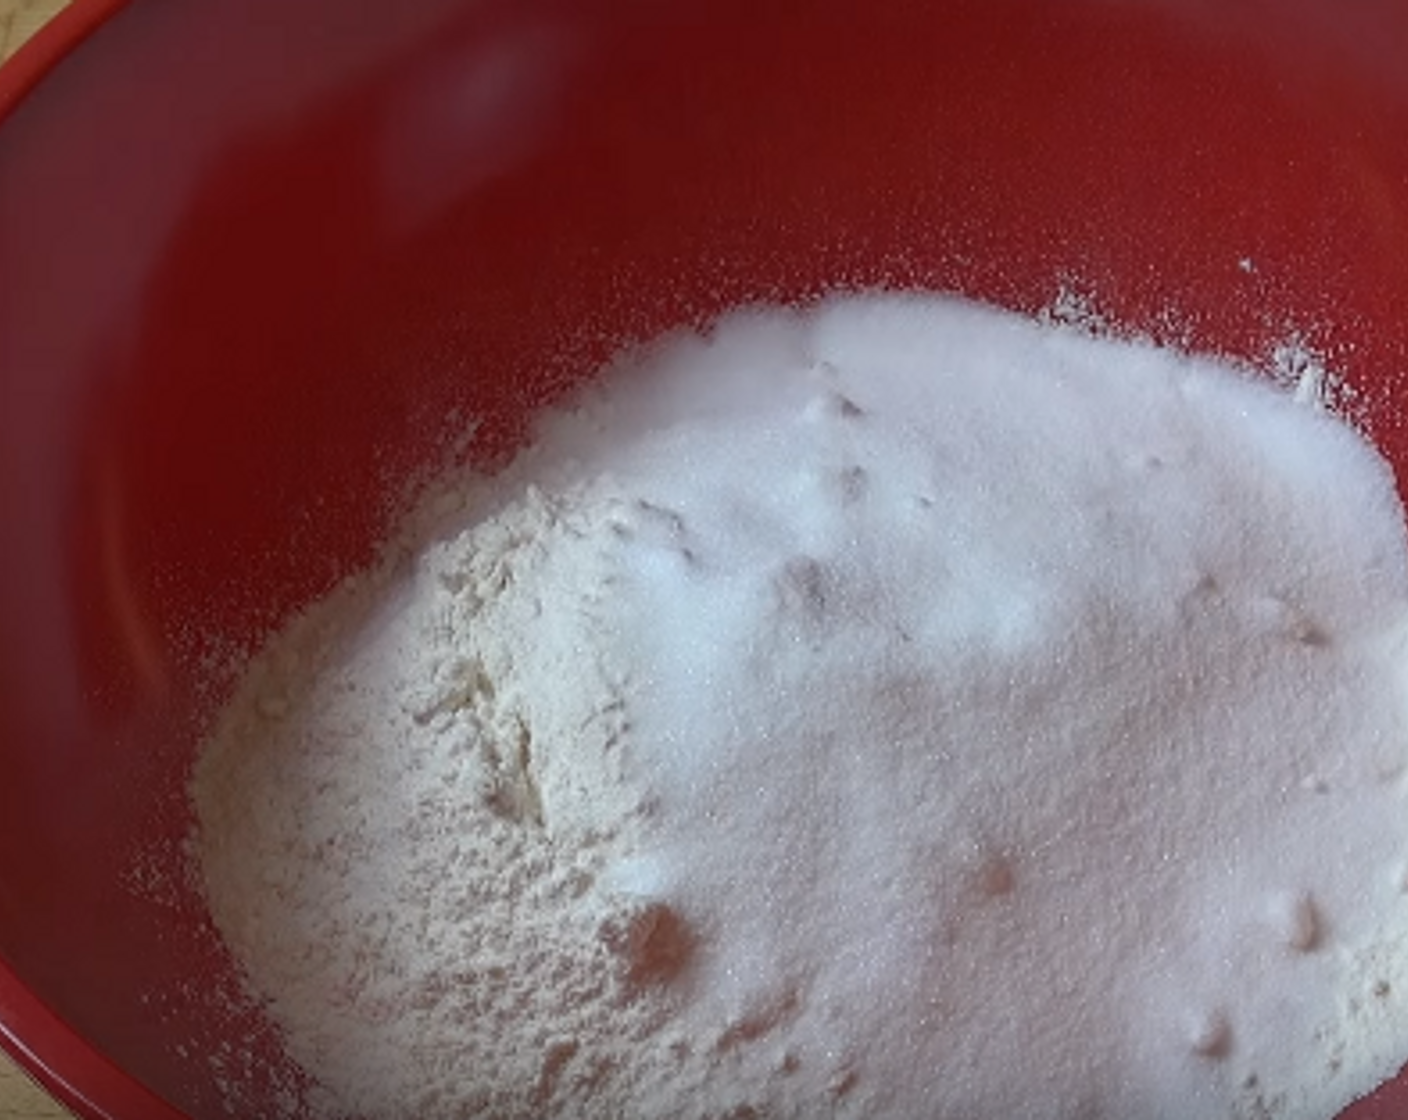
[
  {"x": 68, "y": 1066},
  {"x": 50, "y": 45}
]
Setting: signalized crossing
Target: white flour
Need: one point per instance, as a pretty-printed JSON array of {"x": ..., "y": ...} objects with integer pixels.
[{"x": 897, "y": 709}]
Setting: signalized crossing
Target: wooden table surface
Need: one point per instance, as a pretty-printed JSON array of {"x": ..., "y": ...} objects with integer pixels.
[
  {"x": 19, "y": 19},
  {"x": 20, "y": 1098}
]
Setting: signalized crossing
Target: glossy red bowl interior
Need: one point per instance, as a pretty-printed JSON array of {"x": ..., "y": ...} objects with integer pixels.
[{"x": 259, "y": 258}]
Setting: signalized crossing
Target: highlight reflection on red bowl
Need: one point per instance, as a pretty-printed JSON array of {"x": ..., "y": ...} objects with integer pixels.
[{"x": 259, "y": 258}]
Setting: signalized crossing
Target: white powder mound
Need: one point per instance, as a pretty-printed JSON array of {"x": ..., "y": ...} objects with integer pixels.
[{"x": 895, "y": 709}]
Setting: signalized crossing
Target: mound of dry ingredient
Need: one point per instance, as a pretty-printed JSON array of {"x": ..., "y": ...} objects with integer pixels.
[{"x": 890, "y": 709}]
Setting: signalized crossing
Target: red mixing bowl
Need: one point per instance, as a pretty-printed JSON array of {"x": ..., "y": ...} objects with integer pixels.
[{"x": 260, "y": 259}]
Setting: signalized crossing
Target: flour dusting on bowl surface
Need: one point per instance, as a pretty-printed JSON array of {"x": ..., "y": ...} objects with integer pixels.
[{"x": 894, "y": 708}]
